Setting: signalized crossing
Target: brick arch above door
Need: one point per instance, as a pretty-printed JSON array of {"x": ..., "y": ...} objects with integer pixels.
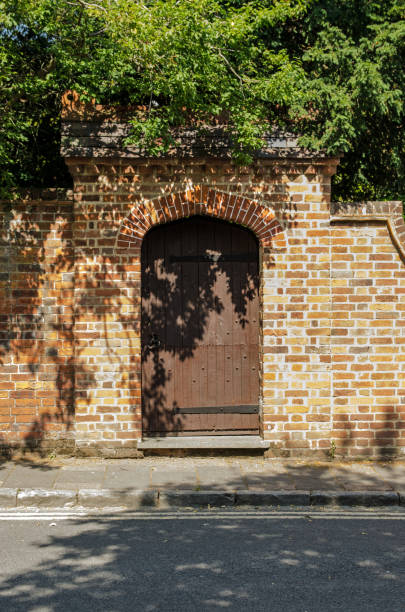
[{"x": 201, "y": 200}]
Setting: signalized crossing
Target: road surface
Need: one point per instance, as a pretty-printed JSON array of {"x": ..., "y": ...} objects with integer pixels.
[{"x": 294, "y": 561}]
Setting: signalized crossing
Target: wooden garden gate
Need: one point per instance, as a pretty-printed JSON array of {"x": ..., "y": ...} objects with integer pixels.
[{"x": 200, "y": 329}]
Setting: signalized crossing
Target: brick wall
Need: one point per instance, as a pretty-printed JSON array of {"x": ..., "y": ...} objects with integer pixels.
[
  {"x": 331, "y": 291},
  {"x": 36, "y": 324},
  {"x": 283, "y": 202},
  {"x": 368, "y": 328}
]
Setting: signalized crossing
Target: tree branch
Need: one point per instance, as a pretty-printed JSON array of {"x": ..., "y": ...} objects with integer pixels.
[
  {"x": 227, "y": 62},
  {"x": 87, "y": 5}
]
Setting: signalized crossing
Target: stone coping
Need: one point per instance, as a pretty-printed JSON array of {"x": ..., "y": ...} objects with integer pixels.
[
  {"x": 103, "y": 139},
  {"x": 391, "y": 212}
]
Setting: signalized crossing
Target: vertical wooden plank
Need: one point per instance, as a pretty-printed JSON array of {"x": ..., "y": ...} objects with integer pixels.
[
  {"x": 223, "y": 328},
  {"x": 186, "y": 392},
  {"x": 220, "y": 375},
  {"x": 212, "y": 374},
  {"x": 253, "y": 361},
  {"x": 149, "y": 275},
  {"x": 254, "y": 324},
  {"x": 165, "y": 356},
  {"x": 147, "y": 283},
  {"x": 200, "y": 420},
  {"x": 240, "y": 319},
  {"x": 190, "y": 317},
  {"x": 172, "y": 298},
  {"x": 207, "y": 280},
  {"x": 196, "y": 326},
  {"x": 237, "y": 247},
  {"x": 157, "y": 327},
  {"x": 214, "y": 364},
  {"x": 173, "y": 241}
]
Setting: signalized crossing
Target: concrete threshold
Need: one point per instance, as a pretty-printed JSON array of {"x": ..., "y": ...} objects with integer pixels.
[{"x": 205, "y": 442}]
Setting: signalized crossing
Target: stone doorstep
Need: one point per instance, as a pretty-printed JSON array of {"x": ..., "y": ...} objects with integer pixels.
[{"x": 205, "y": 442}]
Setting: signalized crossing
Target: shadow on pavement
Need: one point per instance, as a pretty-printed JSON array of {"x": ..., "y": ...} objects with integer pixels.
[
  {"x": 203, "y": 563},
  {"x": 207, "y": 474},
  {"x": 370, "y": 476}
]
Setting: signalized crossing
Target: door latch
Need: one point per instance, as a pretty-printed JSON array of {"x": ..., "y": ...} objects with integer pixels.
[{"x": 154, "y": 342}]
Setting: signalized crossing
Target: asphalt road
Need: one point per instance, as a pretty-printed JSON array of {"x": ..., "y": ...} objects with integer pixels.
[{"x": 286, "y": 561}]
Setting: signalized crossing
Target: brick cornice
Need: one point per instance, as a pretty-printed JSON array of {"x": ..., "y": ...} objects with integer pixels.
[
  {"x": 391, "y": 212},
  {"x": 201, "y": 200}
]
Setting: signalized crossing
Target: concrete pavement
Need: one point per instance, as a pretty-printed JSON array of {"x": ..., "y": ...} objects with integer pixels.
[{"x": 183, "y": 482}]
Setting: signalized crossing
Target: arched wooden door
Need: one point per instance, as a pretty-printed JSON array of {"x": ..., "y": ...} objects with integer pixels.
[{"x": 200, "y": 329}]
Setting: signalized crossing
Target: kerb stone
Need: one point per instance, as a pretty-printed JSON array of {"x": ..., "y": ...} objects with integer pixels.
[
  {"x": 46, "y": 498},
  {"x": 272, "y": 498},
  {"x": 104, "y": 498},
  {"x": 200, "y": 499},
  {"x": 8, "y": 498},
  {"x": 355, "y": 498}
]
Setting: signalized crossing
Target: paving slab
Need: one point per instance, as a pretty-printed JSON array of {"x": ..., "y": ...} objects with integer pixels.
[
  {"x": 26, "y": 476},
  {"x": 359, "y": 478},
  {"x": 5, "y": 471},
  {"x": 260, "y": 475},
  {"x": 313, "y": 478},
  {"x": 174, "y": 478},
  {"x": 68, "y": 478},
  {"x": 219, "y": 477},
  {"x": 135, "y": 475},
  {"x": 391, "y": 474},
  {"x": 261, "y": 479}
]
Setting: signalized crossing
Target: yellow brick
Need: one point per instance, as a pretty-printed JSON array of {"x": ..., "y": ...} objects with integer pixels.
[{"x": 296, "y": 409}]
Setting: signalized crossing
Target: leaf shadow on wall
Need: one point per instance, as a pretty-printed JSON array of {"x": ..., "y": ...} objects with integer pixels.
[
  {"x": 37, "y": 317},
  {"x": 36, "y": 323}
]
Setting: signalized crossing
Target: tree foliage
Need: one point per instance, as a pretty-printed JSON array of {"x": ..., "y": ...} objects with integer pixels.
[{"x": 329, "y": 70}]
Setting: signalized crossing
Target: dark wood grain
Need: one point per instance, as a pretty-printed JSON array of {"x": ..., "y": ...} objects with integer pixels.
[{"x": 200, "y": 329}]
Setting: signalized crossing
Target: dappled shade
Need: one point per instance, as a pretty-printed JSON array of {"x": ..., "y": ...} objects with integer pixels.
[{"x": 200, "y": 328}]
